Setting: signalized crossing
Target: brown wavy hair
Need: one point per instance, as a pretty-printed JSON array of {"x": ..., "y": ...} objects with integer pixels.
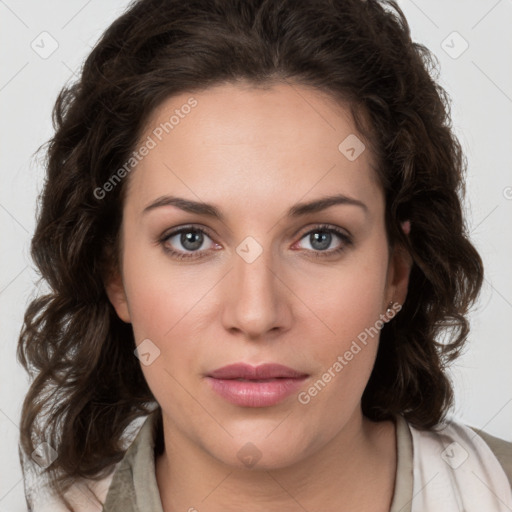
[{"x": 87, "y": 385}]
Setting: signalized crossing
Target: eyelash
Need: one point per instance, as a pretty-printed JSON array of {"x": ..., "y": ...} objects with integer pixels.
[{"x": 346, "y": 241}]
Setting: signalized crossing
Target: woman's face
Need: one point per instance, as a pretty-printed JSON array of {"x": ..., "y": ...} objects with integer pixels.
[{"x": 267, "y": 280}]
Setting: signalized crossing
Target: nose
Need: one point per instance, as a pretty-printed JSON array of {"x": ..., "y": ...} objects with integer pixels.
[{"x": 256, "y": 298}]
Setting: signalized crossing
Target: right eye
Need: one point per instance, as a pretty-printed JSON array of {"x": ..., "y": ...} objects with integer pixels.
[{"x": 191, "y": 240}]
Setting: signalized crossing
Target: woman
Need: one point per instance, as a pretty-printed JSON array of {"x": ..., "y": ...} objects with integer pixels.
[{"x": 254, "y": 239}]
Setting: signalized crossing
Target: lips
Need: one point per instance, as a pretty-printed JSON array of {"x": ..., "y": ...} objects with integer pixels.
[
  {"x": 261, "y": 386},
  {"x": 247, "y": 372}
]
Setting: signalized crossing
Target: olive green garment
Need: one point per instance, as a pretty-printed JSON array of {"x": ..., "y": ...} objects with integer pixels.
[{"x": 134, "y": 487}]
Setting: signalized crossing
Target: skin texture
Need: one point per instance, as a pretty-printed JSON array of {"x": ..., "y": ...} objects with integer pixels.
[{"x": 254, "y": 153}]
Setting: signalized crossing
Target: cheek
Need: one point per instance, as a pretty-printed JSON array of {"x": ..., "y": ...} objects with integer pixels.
[
  {"x": 160, "y": 294},
  {"x": 170, "y": 305},
  {"x": 363, "y": 304},
  {"x": 347, "y": 354},
  {"x": 161, "y": 308},
  {"x": 348, "y": 298},
  {"x": 348, "y": 301}
]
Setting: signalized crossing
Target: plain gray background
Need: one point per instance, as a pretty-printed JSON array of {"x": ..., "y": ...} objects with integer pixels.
[{"x": 473, "y": 42}]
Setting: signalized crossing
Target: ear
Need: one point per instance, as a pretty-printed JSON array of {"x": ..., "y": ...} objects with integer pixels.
[
  {"x": 400, "y": 265},
  {"x": 114, "y": 287}
]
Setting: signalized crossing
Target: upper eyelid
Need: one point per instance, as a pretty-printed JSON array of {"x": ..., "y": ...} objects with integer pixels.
[
  {"x": 327, "y": 227},
  {"x": 176, "y": 231}
]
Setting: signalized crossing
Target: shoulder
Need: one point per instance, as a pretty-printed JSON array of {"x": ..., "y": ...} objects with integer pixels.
[
  {"x": 134, "y": 481},
  {"x": 454, "y": 442},
  {"x": 501, "y": 449},
  {"x": 89, "y": 495},
  {"x": 84, "y": 495},
  {"x": 460, "y": 466}
]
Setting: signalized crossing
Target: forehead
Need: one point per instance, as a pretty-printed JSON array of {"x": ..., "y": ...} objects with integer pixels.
[{"x": 240, "y": 141}]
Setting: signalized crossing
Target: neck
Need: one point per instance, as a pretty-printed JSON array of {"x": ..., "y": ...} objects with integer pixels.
[{"x": 346, "y": 474}]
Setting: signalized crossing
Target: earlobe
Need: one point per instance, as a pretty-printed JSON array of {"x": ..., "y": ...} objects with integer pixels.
[
  {"x": 117, "y": 296},
  {"x": 406, "y": 226}
]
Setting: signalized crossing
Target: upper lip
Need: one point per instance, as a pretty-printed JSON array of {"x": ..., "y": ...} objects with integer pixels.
[{"x": 263, "y": 371}]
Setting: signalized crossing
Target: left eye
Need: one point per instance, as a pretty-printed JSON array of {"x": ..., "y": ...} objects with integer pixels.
[{"x": 320, "y": 239}]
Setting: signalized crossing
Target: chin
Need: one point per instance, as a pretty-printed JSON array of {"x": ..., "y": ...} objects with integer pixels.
[{"x": 260, "y": 453}]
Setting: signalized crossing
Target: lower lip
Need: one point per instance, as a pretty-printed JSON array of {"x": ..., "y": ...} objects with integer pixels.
[{"x": 254, "y": 393}]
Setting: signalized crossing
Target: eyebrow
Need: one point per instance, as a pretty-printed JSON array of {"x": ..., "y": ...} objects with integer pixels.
[{"x": 297, "y": 210}]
